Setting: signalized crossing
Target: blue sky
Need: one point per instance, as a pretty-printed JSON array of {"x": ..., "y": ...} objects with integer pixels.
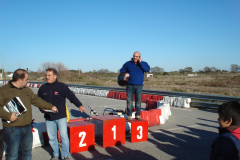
[{"x": 103, "y": 34}]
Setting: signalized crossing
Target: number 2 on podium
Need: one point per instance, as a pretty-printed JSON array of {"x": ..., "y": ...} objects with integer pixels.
[{"x": 83, "y": 135}]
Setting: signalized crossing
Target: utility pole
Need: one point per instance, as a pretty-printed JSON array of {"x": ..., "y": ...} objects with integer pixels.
[
  {"x": 5, "y": 66},
  {"x": 195, "y": 69}
]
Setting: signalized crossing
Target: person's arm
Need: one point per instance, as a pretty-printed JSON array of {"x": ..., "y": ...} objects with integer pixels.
[
  {"x": 40, "y": 103},
  {"x": 124, "y": 68},
  {"x": 4, "y": 114},
  {"x": 73, "y": 99},
  {"x": 145, "y": 66}
]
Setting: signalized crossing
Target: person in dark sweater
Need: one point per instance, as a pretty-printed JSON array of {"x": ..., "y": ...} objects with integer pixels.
[
  {"x": 56, "y": 93},
  {"x": 135, "y": 69},
  {"x": 227, "y": 144}
]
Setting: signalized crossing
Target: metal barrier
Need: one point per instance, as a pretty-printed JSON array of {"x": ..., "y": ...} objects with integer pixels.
[{"x": 210, "y": 101}]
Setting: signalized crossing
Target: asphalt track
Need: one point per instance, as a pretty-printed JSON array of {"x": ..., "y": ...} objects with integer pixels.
[{"x": 187, "y": 134}]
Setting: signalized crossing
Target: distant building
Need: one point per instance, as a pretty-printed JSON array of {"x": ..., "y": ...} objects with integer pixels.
[
  {"x": 149, "y": 75},
  {"x": 10, "y": 75},
  {"x": 0, "y": 74},
  {"x": 192, "y": 75}
]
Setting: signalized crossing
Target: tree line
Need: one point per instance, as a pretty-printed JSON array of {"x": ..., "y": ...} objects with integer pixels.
[
  {"x": 63, "y": 70},
  {"x": 233, "y": 68}
]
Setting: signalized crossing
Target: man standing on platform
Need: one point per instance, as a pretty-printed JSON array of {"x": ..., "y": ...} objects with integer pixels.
[
  {"x": 135, "y": 69},
  {"x": 18, "y": 133},
  {"x": 56, "y": 93}
]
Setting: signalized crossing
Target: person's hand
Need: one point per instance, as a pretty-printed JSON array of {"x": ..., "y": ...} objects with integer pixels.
[
  {"x": 140, "y": 60},
  {"x": 82, "y": 109},
  {"x": 127, "y": 75},
  {"x": 54, "y": 109},
  {"x": 13, "y": 117}
]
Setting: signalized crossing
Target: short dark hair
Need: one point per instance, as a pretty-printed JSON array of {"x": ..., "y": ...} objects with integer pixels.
[
  {"x": 52, "y": 70},
  {"x": 19, "y": 74},
  {"x": 230, "y": 110}
]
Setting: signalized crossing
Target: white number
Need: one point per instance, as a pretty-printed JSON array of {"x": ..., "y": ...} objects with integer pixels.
[
  {"x": 83, "y": 135},
  {"x": 114, "y": 131},
  {"x": 139, "y": 128}
]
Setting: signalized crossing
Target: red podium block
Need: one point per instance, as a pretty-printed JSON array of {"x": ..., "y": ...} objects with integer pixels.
[
  {"x": 113, "y": 130},
  {"x": 139, "y": 130},
  {"x": 81, "y": 136}
]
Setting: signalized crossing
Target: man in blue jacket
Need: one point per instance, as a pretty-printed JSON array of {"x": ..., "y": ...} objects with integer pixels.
[
  {"x": 135, "y": 69},
  {"x": 56, "y": 93}
]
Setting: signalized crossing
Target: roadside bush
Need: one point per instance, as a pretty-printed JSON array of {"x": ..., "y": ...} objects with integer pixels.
[
  {"x": 178, "y": 90},
  {"x": 94, "y": 83},
  {"x": 214, "y": 84}
]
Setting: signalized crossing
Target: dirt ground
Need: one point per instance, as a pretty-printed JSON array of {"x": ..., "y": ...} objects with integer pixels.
[{"x": 217, "y": 84}]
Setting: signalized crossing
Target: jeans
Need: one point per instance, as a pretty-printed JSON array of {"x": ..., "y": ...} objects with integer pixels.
[
  {"x": 18, "y": 138},
  {"x": 1, "y": 145},
  {"x": 52, "y": 126},
  {"x": 131, "y": 91}
]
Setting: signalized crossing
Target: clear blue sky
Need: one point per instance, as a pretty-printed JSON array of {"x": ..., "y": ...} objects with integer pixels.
[{"x": 103, "y": 34}]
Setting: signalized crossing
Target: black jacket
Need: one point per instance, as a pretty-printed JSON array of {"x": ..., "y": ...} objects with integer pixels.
[
  {"x": 56, "y": 94},
  {"x": 226, "y": 146}
]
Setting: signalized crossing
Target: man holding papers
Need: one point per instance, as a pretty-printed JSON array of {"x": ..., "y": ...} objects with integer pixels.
[{"x": 18, "y": 133}]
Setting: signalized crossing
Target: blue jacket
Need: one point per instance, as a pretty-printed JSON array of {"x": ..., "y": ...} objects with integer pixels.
[
  {"x": 136, "y": 71},
  {"x": 56, "y": 94}
]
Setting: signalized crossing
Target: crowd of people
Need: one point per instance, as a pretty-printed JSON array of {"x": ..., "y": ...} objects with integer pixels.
[{"x": 51, "y": 100}]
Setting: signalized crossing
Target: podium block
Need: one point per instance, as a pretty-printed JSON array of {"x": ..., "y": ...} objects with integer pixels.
[
  {"x": 81, "y": 136},
  {"x": 113, "y": 129},
  {"x": 139, "y": 130}
]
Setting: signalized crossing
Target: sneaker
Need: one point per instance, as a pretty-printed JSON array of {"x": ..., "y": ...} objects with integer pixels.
[
  {"x": 129, "y": 118},
  {"x": 138, "y": 118},
  {"x": 55, "y": 158},
  {"x": 66, "y": 158}
]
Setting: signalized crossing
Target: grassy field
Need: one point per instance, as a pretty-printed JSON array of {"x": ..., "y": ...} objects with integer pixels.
[{"x": 218, "y": 83}]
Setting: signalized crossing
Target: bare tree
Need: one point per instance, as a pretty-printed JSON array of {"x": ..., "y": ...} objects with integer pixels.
[
  {"x": 213, "y": 69},
  {"x": 234, "y": 68},
  {"x": 188, "y": 69},
  {"x": 207, "y": 69},
  {"x": 103, "y": 71},
  {"x": 157, "y": 70},
  {"x": 200, "y": 71},
  {"x": 63, "y": 71},
  {"x": 181, "y": 71}
]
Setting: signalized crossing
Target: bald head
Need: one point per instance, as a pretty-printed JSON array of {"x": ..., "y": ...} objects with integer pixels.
[{"x": 136, "y": 56}]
